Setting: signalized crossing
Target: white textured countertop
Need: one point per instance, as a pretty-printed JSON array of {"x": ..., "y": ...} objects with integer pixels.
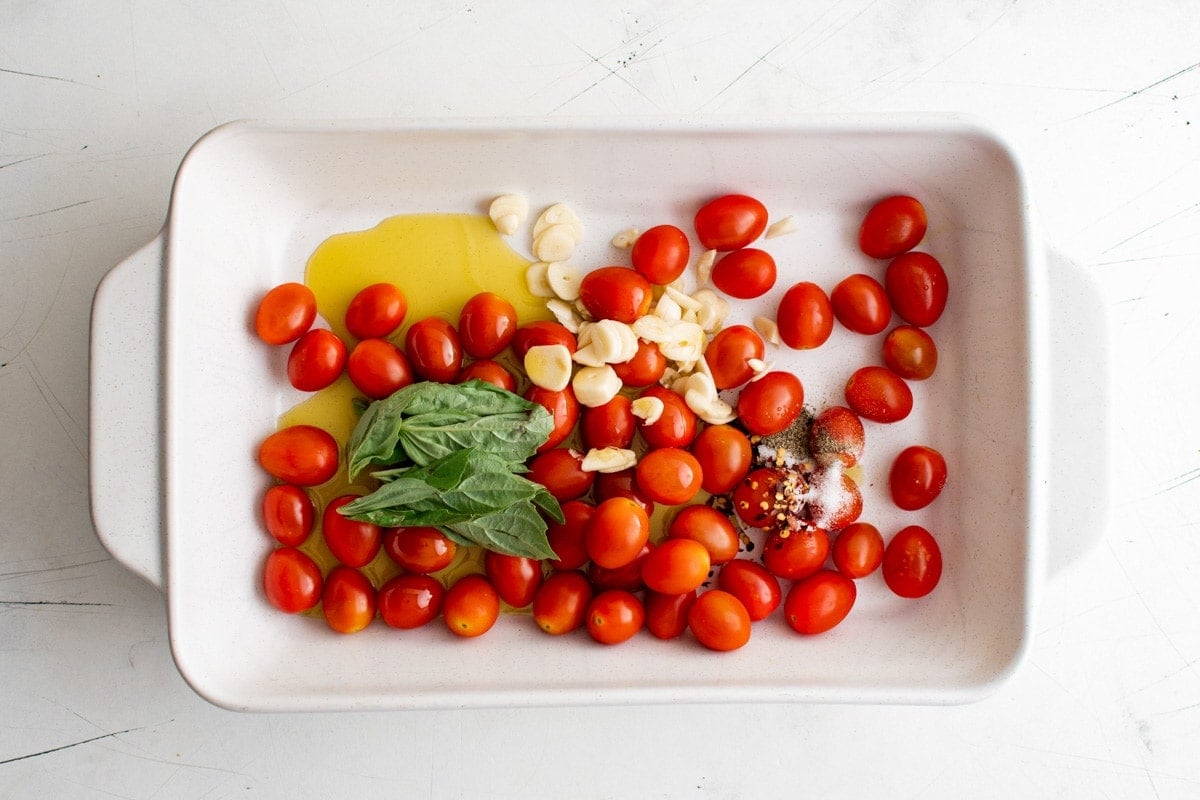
[{"x": 98, "y": 104}]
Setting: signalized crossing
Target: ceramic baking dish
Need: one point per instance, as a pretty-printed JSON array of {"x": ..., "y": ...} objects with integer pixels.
[{"x": 252, "y": 201}]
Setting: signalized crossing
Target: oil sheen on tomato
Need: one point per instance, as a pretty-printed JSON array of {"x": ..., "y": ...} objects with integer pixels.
[{"x": 439, "y": 261}]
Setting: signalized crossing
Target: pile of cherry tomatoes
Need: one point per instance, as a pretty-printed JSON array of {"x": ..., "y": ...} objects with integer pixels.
[{"x": 611, "y": 575}]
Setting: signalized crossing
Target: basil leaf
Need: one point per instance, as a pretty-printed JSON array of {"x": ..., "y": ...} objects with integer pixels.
[{"x": 517, "y": 530}]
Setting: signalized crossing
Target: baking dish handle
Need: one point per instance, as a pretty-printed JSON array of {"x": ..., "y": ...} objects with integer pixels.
[{"x": 125, "y": 386}]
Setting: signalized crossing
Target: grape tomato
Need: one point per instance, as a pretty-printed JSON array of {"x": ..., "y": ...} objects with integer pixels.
[
  {"x": 285, "y": 313},
  {"x": 918, "y": 288},
  {"x": 805, "y": 316},
  {"x": 728, "y": 355},
  {"x": 376, "y": 311},
  {"x": 910, "y": 352},
  {"x": 878, "y": 394},
  {"x": 912, "y": 562},
  {"x": 316, "y": 360},
  {"x": 861, "y": 304},
  {"x": 730, "y": 222},
  {"x": 661, "y": 254},
  {"x": 892, "y": 226},
  {"x": 434, "y": 349},
  {"x": 745, "y": 274}
]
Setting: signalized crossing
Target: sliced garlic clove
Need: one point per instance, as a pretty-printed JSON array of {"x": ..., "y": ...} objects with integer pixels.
[
  {"x": 782, "y": 227},
  {"x": 652, "y": 328},
  {"x": 625, "y": 238},
  {"x": 768, "y": 328},
  {"x": 717, "y": 412},
  {"x": 537, "y": 281},
  {"x": 647, "y": 409},
  {"x": 608, "y": 459},
  {"x": 586, "y": 356},
  {"x": 686, "y": 302},
  {"x": 685, "y": 342},
  {"x": 556, "y": 243},
  {"x": 667, "y": 309},
  {"x": 558, "y": 214},
  {"x": 704, "y": 266},
  {"x": 595, "y": 386},
  {"x": 564, "y": 312},
  {"x": 713, "y": 310},
  {"x": 507, "y": 212},
  {"x": 564, "y": 279},
  {"x": 549, "y": 366}
]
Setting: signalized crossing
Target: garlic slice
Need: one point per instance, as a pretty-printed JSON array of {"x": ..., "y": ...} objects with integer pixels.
[
  {"x": 537, "y": 281},
  {"x": 556, "y": 243},
  {"x": 685, "y": 301},
  {"x": 768, "y": 328},
  {"x": 781, "y": 227},
  {"x": 564, "y": 279},
  {"x": 647, "y": 409},
  {"x": 713, "y": 310},
  {"x": 595, "y": 386},
  {"x": 608, "y": 459},
  {"x": 667, "y": 309},
  {"x": 558, "y": 214},
  {"x": 626, "y": 238},
  {"x": 685, "y": 342},
  {"x": 549, "y": 366},
  {"x": 507, "y": 212},
  {"x": 704, "y": 266},
  {"x": 564, "y": 312}
]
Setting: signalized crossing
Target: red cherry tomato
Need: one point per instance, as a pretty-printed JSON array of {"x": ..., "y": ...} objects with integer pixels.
[
  {"x": 912, "y": 562},
  {"x": 488, "y": 371},
  {"x": 719, "y": 621},
  {"x": 669, "y": 475},
  {"x": 614, "y": 616},
  {"x": 616, "y": 532},
  {"x": 563, "y": 407},
  {"x": 675, "y": 427},
  {"x": 861, "y": 304},
  {"x": 771, "y": 403},
  {"x": 730, "y": 222},
  {"x": 709, "y": 527},
  {"x": 434, "y": 349},
  {"x": 667, "y": 614},
  {"x": 879, "y": 394},
  {"x": 661, "y": 254},
  {"x": 796, "y": 555},
  {"x": 285, "y": 313},
  {"x": 858, "y": 550},
  {"x": 676, "y": 566},
  {"x": 892, "y": 226},
  {"x": 918, "y": 476},
  {"x": 728, "y": 355},
  {"x": 288, "y": 514},
  {"x": 805, "y": 316},
  {"x": 348, "y": 600},
  {"x": 301, "y": 454},
  {"x": 486, "y": 324},
  {"x": 317, "y": 359},
  {"x": 751, "y": 583},
  {"x": 836, "y": 434},
  {"x": 627, "y": 577},
  {"x": 376, "y": 311},
  {"x": 622, "y": 484},
  {"x": 837, "y": 503},
  {"x": 819, "y": 602},
  {"x": 410, "y": 601},
  {"x": 609, "y": 425},
  {"x": 910, "y": 352},
  {"x": 353, "y": 543},
  {"x": 471, "y": 606},
  {"x": 754, "y": 498},
  {"x": 561, "y": 472},
  {"x": 561, "y": 602},
  {"x": 745, "y": 274},
  {"x": 541, "y": 332},
  {"x": 917, "y": 286},
  {"x": 419, "y": 549},
  {"x": 566, "y": 537},
  {"x": 291, "y": 580},
  {"x": 378, "y": 368},
  {"x": 645, "y": 368},
  {"x": 515, "y": 578},
  {"x": 724, "y": 454},
  {"x": 616, "y": 293}
]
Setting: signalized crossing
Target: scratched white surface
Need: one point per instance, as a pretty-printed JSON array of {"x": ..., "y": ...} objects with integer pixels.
[{"x": 98, "y": 103}]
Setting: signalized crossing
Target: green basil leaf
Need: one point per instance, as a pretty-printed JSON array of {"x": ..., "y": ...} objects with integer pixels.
[{"x": 516, "y": 531}]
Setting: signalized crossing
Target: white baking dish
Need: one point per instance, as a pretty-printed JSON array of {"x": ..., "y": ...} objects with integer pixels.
[{"x": 252, "y": 201}]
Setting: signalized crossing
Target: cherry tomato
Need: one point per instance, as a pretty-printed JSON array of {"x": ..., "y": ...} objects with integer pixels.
[
  {"x": 563, "y": 407},
  {"x": 419, "y": 549},
  {"x": 561, "y": 602},
  {"x": 675, "y": 427},
  {"x": 616, "y": 293},
  {"x": 376, "y": 311},
  {"x": 676, "y": 566},
  {"x": 910, "y": 352},
  {"x": 730, "y": 222},
  {"x": 434, "y": 349},
  {"x": 317, "y": 359},
  {"x": 541, "y": 332},
  {"x": 719, "y": 621},
  {"x": 878, "y": 394},
  {"x": 669, "y": 475},
  {"x": 561, "y": 472},
  {"x": 819, "y": 602},
  {"x": 353, "y": 543},
  {"x": 751, "y": 583},
  {"x": 378, "y": 368},
  {"x": 667, "y": 614},
  {"x": 796, "y": 555},
  {"x": 836, "y": 434},
  {"x": 728, "y": 355},
  {"x": 608, "y": 425},
  {"x": 724, "y": 454},
  {"x": 837, "y": 505},
  {"x": 410, "y": 601},
  {"x": 645, "y": 368},
  {"x": 858, "y": 550},
  {"x": 892, "y": 226},
  {"x": 917, "y": 287},
  {"x": 285, "y": 313},
  {"x": 805, "y": 316},
  {"x": 771, "y": 403},
  {"x": 486, "y": 324},
  {"x": 614, "y": 616},
  {"x": 471, "y": 606},
  {"x": 622, "y": 484},
  {"x": 918, "y": 476},
  {"x": 745, "y": 274},
  {"x": 288, "y": 514},
  {"x": 710, "y": 528},
  {"x": 348, "y": 600},
  {"x": 661, "y": 254},
  {"x": 861, "y": 304},
  {"x": 566, "y": 537},
  {"x": 515, "y": 578},
  {"x": 912, "y": 562},
  {"x": 291, "y": 580},
  {"x": 754, "y": 498},
  {"x": 488, "y": 371},
  {"x": 301, "y": 454},
  {"x": 627, "y": 577},
  {"x": 616, "y": 532}
]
